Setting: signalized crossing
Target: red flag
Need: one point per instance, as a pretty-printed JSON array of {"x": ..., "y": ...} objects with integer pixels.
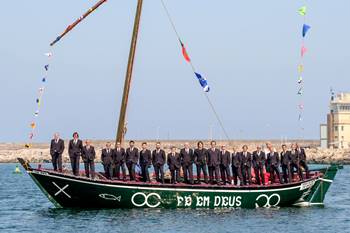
[{"x": 184, "y": 53}]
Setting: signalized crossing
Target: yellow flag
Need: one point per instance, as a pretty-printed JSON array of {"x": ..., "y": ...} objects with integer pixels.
[
  {"x": 302, "y": 10},
  {"x": 300, "y": 68}
]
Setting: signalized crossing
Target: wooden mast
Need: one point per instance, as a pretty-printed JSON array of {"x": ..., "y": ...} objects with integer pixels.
[{"x": 124, "y": 104}]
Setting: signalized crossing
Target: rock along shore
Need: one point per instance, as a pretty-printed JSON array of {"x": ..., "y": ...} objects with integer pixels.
[{"x": 40, "y": 152}]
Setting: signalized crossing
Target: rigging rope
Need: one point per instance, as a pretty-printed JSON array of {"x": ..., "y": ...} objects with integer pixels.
[{"x": 204, "y": 84}]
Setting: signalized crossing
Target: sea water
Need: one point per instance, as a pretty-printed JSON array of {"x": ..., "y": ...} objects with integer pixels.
[{"x": 23, "y": 208}]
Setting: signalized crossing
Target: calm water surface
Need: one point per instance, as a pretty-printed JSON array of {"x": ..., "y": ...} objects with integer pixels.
[{"x": 25, "y": 209}]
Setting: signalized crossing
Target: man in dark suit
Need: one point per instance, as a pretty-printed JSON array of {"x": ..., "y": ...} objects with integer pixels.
[
  {"x": 187, "y": 160},
  {"x": 132, "y": 158},
  {"x": 56, "y": 151},
  {"x": 200, "y": 159},
  {"x": 158, "y": 160},
  {"x": 107, "y": 160},
  {"x": 294, "y": 163},
  {"x": 273, "y": 163},
  {"x": 285, "y": 164},
  {"x": 302, "y": 160},
  {"x": 225, "y": 159},
  {"x": 119, "y": 161},
  {"x": 213, "y": 162},
  {"x": 174, "y": 164},
  {"x": 145, "y": 162},
  {"x": 236, "y": 167},
  {"x": 74, "y": 150},
  {"x": 259, "y": 160},
  {"x": 88, "y": 155},
  {"x": 246, "y": 165}
]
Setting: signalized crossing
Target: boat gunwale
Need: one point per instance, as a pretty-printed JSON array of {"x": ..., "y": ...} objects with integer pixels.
[{"x": 139, "y": 185}]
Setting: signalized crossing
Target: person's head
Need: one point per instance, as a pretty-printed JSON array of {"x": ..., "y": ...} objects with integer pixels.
[
  {"x": 187, "y": 145},
  {"x": 75, "y": 135},
  {"x": 297, "y": 145},
  {"x": 144, "y": 145},
  {"x": 258, "y": 148},
  {"x": 173, "y": 149},
  {"x": 245, "y": 148},
  {"x": 108, "y": 145},
  {"x": 213, "y": 144},
  {"x": 269, "y": 146},
  {"x": 131, "y": 143},
  {"x": 234, "y": 149},
  {"x": 200, "y": 145},
  {"x": 88, "y": 142},
  {"x": 284, "y": 147},
  {"x": 56, "y": 136},
  {"x": 293, "y": 146},
  {"x": 118, "y": 144},
  {"x": 223, "y": 147},
  {"x": 158, "y": 145}
]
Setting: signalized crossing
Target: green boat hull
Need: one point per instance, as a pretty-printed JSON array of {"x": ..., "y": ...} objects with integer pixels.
[{"x": 68, "y": 191}]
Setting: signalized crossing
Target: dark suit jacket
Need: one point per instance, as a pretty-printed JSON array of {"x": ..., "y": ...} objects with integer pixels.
[
  {"x": 225, "y": 158},
  {"x": 132, "y": 156},
  {"x": 186, "y": 158},
  {"x": 174, "y": 162},
  {"x": 213, "y": 158},
  {"x": 107, "y": 158},
  {"x": 119, "y": 156},
  {"x": 236, "y": 159},
  {"x": 285, "y": 158},
  {"x": 75, "y": 149},
  {"x": 158, "y": 158},
  {"x": 145, "y": 157},
  {"x": 273, "y": 159},
  {"x": 56, "y": 148},
  {"x": 294, "y": 157},
  {"x": 259, "y": 160},
  {"x": 200, "y": 156},
  {"x": 302, "y": 154},
  {"x": 88, "y": 154},
  {"x": 247, "y": 159}
]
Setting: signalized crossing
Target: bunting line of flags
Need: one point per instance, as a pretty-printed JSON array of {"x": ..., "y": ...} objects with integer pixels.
[
  {"x": 202, "y": 81},
  {"x": 303, "y": 51},
  {"x": 33, "y": 124}
]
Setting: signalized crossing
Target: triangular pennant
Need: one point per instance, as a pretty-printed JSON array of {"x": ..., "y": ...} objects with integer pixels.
[
  {"x": 306, "y": 28},
  {"x": 301, "y": 106},
  {"x": 302, "y": 10},
  {"x": 44, "y": 79},
  {"x": 300, "y": 117},
  {"x": 300, "y": 68},
  {"x": 184, "y": 52},
  {"x": 300, "y": 91},
  {"x": 49, "y": 54},
  {"x": 33, "y": 125},
  {"x": 203, "y": 82},
  {"x": 303, "y": 51},
  {"x": 46, "y": 67}
]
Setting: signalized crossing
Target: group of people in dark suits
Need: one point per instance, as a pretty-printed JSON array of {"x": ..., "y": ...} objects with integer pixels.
[{"x": 213, "y": 165}]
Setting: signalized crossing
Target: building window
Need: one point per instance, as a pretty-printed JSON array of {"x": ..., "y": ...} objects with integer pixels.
[
  {"x": 342, "y": 128},
  {"x": 336, "y": 128}
]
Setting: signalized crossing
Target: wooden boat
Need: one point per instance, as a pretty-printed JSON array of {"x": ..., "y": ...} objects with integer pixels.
[
  {"x": 68, "y": 191},
  {"x": 65, "y": 190}
]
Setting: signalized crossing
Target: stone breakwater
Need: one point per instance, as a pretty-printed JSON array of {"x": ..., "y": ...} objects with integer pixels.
[{"x": 41, "y": 153}]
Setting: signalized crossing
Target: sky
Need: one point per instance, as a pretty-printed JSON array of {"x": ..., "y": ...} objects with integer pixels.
[{"x": 248, "y": 51}]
